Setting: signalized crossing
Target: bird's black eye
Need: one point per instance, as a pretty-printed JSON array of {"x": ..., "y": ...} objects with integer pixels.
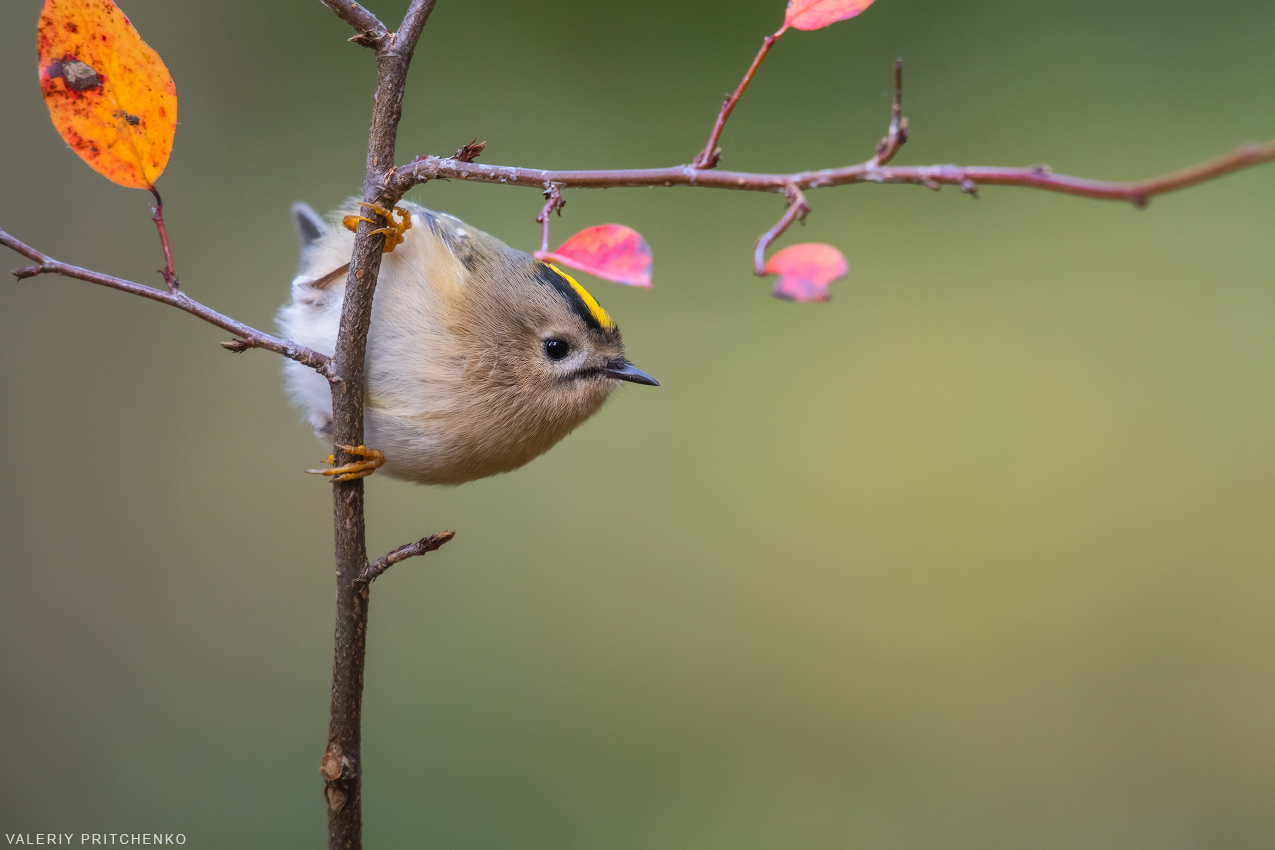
[{"x": 556, "y": 349}]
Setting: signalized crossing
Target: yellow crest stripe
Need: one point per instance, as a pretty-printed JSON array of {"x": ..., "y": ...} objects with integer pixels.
[{"x": 595, "y": 309}]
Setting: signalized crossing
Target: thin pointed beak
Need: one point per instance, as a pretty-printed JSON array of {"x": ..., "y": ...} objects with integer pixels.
[{"x": 623, "y": 370}]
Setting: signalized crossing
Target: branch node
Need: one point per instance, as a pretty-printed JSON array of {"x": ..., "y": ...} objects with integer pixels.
[
  {"x": 370, "y": 39},
  {"x": 1140, "y": 201},
  {"x": 28, "y": 272},
  {"x": 969, "y": 187},
  {"x": 469, "y": 152},
  {"x": 702, "y": 162}
]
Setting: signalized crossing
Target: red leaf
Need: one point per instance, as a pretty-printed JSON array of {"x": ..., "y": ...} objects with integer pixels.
[
  {"x": 610, "y": 251},
  {"x": 806, "y": 270},
  {"x": 817, "y": 14}
]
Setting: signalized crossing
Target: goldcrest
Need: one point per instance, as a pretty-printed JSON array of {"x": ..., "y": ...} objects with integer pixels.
[{"x": 479, "y": 357}]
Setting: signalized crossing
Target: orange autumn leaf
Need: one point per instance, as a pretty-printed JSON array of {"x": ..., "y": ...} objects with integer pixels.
[
  {"x": 806, "y": 271},
  {"x": 610, "y": 251},
  {"x": 108, "y": 92},
  {"x": 817, "y": 14}
]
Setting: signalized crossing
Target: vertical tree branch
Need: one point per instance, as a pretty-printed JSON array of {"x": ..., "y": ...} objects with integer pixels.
[{"x": 341, "y": 768}]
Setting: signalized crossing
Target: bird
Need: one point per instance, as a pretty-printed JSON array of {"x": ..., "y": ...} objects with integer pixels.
[{"x": 480, "y": 358}]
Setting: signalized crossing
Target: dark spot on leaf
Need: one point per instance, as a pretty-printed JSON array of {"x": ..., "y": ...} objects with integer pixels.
[
  {"x": 77, "y": 75},
  {"x": 70, "y": 27},
  {"x": 132, "y": 120}
]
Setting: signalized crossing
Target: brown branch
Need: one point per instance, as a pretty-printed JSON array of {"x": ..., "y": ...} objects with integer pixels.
[
  {"x": 897, "y": 134},
  {"x": 170, "y": 276},
  {"x": 372, "y": 33},
  {"x": 932, "y": 176},
  {"x": 374, "y": 570},
  {"x": 797, "y": 210},
  {"x": 341, "y": 767},
  {"x": 711, "y": 154},
  {"x": 249, "y": 337}
]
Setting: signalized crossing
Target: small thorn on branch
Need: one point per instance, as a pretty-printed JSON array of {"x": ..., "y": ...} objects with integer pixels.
[
  {"x": 1140, "y": 201},
  {"x": 237, "y": 346},
  {"x": 402, "y": 553},
  {"x": 367, "y": 39},
  {"x": 969, "y": 187},
  {"x": 469, "y": 152}
]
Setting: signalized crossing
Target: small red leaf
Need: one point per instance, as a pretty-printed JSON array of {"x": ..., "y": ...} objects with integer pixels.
[
  {"x": 610, "y": 251},
  {"x": 806, "y": 270},
  {"x": 817, "y": 14}
]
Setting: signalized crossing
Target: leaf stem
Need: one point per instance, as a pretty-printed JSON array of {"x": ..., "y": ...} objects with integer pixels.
[{"x": 170, "y": 276}]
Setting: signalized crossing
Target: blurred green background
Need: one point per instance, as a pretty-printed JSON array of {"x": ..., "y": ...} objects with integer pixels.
[{"x": 979, "y": 555}]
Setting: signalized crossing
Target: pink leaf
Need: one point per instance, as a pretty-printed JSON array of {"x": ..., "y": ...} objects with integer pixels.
[
  {"x": 610, "y": 251},
  {"x": 806, "y": 270},
  {"x": 817, "y": 14}
]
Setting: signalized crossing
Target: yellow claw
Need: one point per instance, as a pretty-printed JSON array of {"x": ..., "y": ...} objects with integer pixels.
[
  {"x": 357, "y": 469},
  {"x": 393, "y": 231}
]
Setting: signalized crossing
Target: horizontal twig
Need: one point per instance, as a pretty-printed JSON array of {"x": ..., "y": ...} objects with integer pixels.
[
  {"x": 932, "y": 176},
  {"x": 402, "y": 553},
  {"x": 248, "y": 337}
]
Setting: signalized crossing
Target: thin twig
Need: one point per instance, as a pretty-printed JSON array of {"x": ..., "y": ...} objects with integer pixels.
[
  {"x": 170, "y": 275},
  {"x": 374, "y": 570},
  {"x": 249, "y": 337},
  {"x": 897, "y": 135},
  {"x": 711, "y": 155},
  {"x": 554, "y": 203},
  {"x": 1035, "y": 177},
  {"x": 798, "y": 209}
]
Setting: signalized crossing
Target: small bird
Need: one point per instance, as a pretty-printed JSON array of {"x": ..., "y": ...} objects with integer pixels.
[{"x": 479, "y": 357}]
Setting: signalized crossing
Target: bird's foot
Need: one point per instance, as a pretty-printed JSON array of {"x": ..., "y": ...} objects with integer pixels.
[
  {"x": 351, "y": 471},
  {"x": 393, "y": 231}
]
